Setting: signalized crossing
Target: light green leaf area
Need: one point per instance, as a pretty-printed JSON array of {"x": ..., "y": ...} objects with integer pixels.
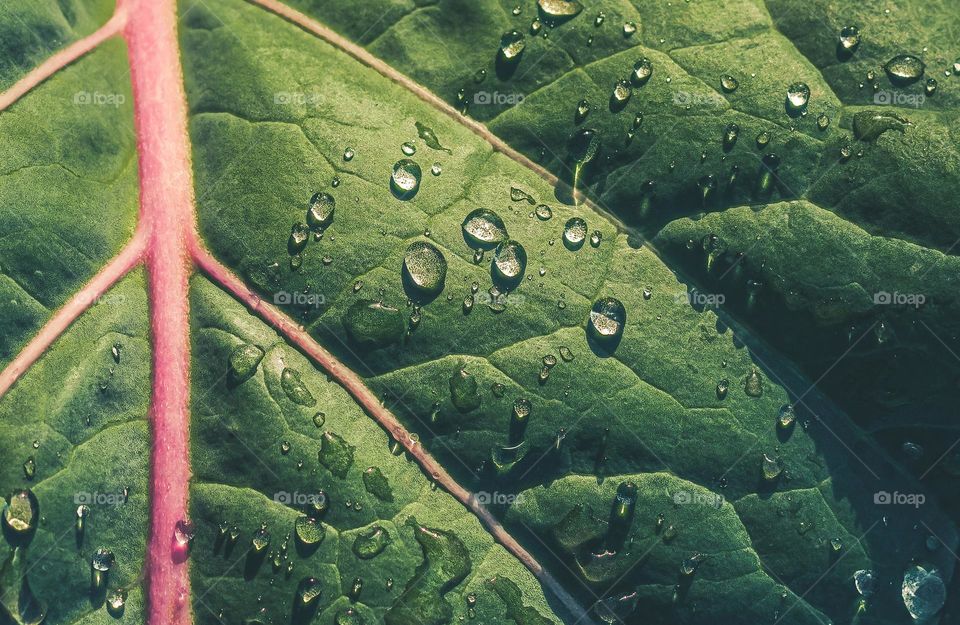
[
  {"x": 32, "y": 31},
  {"x": 75, "y": 434},
  {"x": 416, "y": 553},
  {"x": 675, "y": 165},
  {"x": 274, "y": 126},
  {"x": 68, "y": 188}
]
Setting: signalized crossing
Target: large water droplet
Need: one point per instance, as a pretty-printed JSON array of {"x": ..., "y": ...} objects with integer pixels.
[
  {"x": 484, "y": 229},
  {"x": 923, "y": 591},
  {"x": 335, "y": 454},
  {"x": 376, "y": 483},
  {"x": 371, "y": 543},
  {"x": 574, "y": 233},
  {"x": 424, "y": 268},
  {"x": 512, "y": 44},
  {"x": 320, "y": 211},
  {"x": 464, "y": 390},
  {"x": 904, "y": 69},
  {"x": 798, "y": 95},
  {"x": 295, "y": 389},
  {"x": 21, "y": 512},
  {"x": 642, "y": 71},
  {"x": 509, "y": 262},
  {"x": 309, "y": 531},
  {"x": 243, "y": 362},
  {"x": 373, "y": 324},
  {"x": 405, "y": 181},
  {"x": 849, "y": 38},
  {"x": 559, "y": 9},
  {"x": 607, "y": 319}
]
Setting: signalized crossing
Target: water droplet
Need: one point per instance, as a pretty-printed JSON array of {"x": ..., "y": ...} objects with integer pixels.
[
  {"x": 535, "y": 26},
  {"x": 116, "y": 601},
  {"x": 798, "y": 95},
  {"x": 771, "y": 467},
  {"x": 371, "y": 543},
  {"x": 621, "y": 92},
  {"x": 642, "y": 71},
  {"x": 351, "y": 616},
  {"x": 723, "y": 387},
  {"x": 629, "y": 28},
  {"x": 865, "y": 582},
  {"x": 868, "y": 125},
  {"x": 728, "y": 83},
  {"x": 730, "y": 135},
  {"x": 512, "y": 44},
  {"x": 243, "y": 362},
  {"x": 320, "y": 210},
  {"x": 923, "y": 592},
  {"x": 849, "y": 38},
  {"x": 763, "y": 138},
  {"x": 559, "y": 9},
  {"x": 464, "y": 393},
  {"x": 405, "y": 181},
  {"x": 436, "y": 169},
  {"x": 823, "y": 120},
  {"x": 260, "y": 539},
  {"x": 29, "y": 468},
  {"x": 348, "y": 154},
  {"x": 544, "y": 212},
  {"x": 689, "y": 565},
  {"x": 335, "y": 454},
  {"x": 356, "y": 588},
  {"x": 408, "y": 148},
  {"x": 295, "y": 389},
  {"x": 574, "y": 233},
  {"x": 373, "y": 324},
  {"x": 102, "y": 560},
  {"x": 21, "y": 512},
  {"x": 377, "y": 484},
  {"x": 309, "y": 590},
  {"x": 930, "y": 87},
  {"x": 519, "y": 195},
  {"x": 836, "y": 544},
  {"x": 607, "y": 319},
  {"x": 309, "y": 531},
  {"x": 183, "y": 532},
  {"x": 319, "y": 419},
  {"x": 424, "y": 268},
  {"x": 509, "y": 262},
  {"x": 595, "y": 237},
  {"x": 484, "y": 229},
  {"x": 583, "y": 109},
  {"x": 299, "y": 236},
  {"x": 753, "y": 385},
  {"x": 904, "y": 69},
  {"x": 787, "y": 416},
  {"x": 565, "y": 353}
]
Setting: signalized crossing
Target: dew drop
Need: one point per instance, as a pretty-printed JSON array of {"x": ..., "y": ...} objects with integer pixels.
[
  {"x": 295, "y": 389},
  {"x": 405, "y": 181},
  {"x": 728, "y": 83},
  {"x": 849, "y": 38},
  {"x": 607, "y": 319},
  {"x": 509, "y": 261},
  {"x": 309, "y": 531},
  {"x": 484, "y": 229},
  {"x": 320, "y": 210},
  {"x": 424, "y": 268},
  {"x": 798, "y": 95},
  {"x": 904, "y": 69},
  {"x": 642, "y": 71},
  {"x": 512, "y": 44},
  {"x": 771, "y": 467},
  {"x": 21, "y": 512},
  {"x": 574, "y": 233},
  {"x": 408, "y": 148},
  {"x": 544, "y": 212}
]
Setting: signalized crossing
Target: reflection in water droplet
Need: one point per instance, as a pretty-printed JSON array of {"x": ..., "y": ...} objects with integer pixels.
[
  {"x": 509, "y": 261},
  {"x": 798, "y": 95},
  {"x": 728, "y": 83},
  {"x": 923, "y": 592},
  {"x": 849, "y": 38},
  {"x": 309, "y": 531},
  {"x": 771, "y": 467},
  {"x": 424, "y": 267},
  {"x": 607, "y": 319},
  {"x": 320, "y": 210},
  {"x": 405, "y": 181},
  {"x": 642, "y": 71},
  {"x": 484, "y": 229},
  {"x": 904, "y": 69},
  {"x": 574, "y": 233},
  {"x": 22, "y": 511},
  {"x": 512, "y": 44}
]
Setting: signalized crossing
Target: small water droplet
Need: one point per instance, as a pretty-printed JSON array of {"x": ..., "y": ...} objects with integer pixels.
[
  {"x": 543, "y": 212},
  {"x": 798, "y": 95},
  {"x": 823, "y": 120},
  {"x": 512, "y": 44},
  {"x": 621, "y": 92},
  {"x": 849, "y": 38},
  {"x": 484, "y": 229},
  {"x": 405, "y": 180},
  {"x": 509, "y": 261},
  {"x": 424, "y": 268},
  {"x": 519, "y": 195},
  {"x": 753, "y": 386},
  {"x": 320, "y": 210},
  {"x": 642, "y": 71},
  {"x": 904, "y": 69},
  {"x": 574, "y": 233},
  {"x": 723, "y": 387},
  {"x": 408, "y": 148},
  {"x": 436, "y": 169},
  {"x": 22, "y": 511},
  {"x": 771, "y": 467},
  {"x": 607, "y": 319},
  {"x": 348, "y": 154},
  {"x": 728, "y": 83},
  {"x": 308, "y": 530},
  {"x": 629, "y": 28}
]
